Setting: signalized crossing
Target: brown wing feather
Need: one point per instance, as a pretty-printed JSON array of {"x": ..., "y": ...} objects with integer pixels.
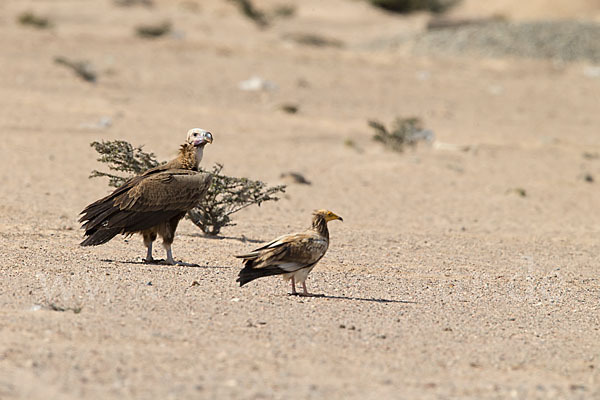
[
  {"x": 172, "y": 190},
  {"x": 143, "y": 202},
  {"x": 302, "y": 249},
  {"x": 285, "y": 254}
]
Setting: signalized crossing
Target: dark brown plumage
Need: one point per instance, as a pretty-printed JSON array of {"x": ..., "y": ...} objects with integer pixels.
[
  {"x": 152, "y": 203},
  {"x": 292, "y": 256}
]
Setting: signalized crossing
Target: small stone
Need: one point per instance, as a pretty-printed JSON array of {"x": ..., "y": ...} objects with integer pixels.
[
  {"x": 256, "y": 83},
  {"x": 295, "y": 177}
]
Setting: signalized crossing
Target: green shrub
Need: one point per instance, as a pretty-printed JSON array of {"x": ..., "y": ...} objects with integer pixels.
[
  {"x": 226, "y": 195},
  {"x": 403, "y": 132},
  {"x": 31, "y": 19}
]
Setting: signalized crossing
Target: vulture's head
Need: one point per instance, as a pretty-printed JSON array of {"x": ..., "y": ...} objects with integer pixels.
[
  {"x": 199, "y": 137},
  {"x": 327, "y": 215}
]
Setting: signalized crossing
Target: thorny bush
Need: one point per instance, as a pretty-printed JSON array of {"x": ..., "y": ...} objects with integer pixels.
[{"x": 226, "y": 195}]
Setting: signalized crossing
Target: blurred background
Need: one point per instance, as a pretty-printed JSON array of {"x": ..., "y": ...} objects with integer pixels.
[
  {"x": 459, "y": 140},
  {"x": 504, "y": 96}
]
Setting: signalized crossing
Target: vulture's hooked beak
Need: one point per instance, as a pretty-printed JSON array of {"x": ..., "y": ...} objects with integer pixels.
[
  {"x": 332, "y": 217},
  {"x": 206, "y": 138}
]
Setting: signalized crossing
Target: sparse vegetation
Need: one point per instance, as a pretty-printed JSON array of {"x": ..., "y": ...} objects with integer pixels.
[
  {"x": 404, "y": 132},
  {"x": 121, "y": 156},
  {"x": 518, "y": 191},
  {"x": 257, "y": 16},
  {"x": 311, "y": 39},
  {"x": 264, "y": 18},
  {"x": 454, "y": 23},
  {"x": 30, "y": 19},
  {"x": 130, "y": 3},
  {"x": 588, "y": 155},
  {"x": 56, "y": 307},
  {"x": 289, "y": 108},
  {"x": 407, "y": 6},
  {"x": 284, "y": 11},
  {"x": 295, "y": 177},
  {"x": 556, "y": 40},
  {"x": 226, "y": 195},
  {"x": 83, "y": 69},
  {"x": 349, "y": 142},
  {"x": 153, "y": 30}
]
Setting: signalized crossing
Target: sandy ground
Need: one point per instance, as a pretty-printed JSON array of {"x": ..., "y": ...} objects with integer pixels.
[
  {"x": 530, "y": 10},
  {"x": 443, "y": 282}
]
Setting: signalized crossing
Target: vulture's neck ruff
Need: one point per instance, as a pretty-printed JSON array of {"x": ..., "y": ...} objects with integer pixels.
[
  {"x": 319, "y": 224},
  {"x": 190, "y": 156}
]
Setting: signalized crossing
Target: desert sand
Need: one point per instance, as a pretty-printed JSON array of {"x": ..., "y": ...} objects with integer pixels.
[{"x": 463, "y": 269}]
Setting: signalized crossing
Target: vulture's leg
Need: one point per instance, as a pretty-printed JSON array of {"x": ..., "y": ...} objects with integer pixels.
[
  {"x": 149, "y": 254},
  {"x": 168, "y": 237},
  {"x": 169, "y": 259},
  {"x": 306, "y": 294},
  {"x": 149, "y": 237},
  {"x": 294, "y": 293}
]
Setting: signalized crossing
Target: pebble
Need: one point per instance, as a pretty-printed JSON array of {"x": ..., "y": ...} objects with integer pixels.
[{"x": 257, "y": 83}]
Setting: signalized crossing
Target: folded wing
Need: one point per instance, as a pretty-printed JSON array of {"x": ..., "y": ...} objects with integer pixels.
[
  {"x": 143, "y": 202},
  {"x": 288, "y": 253}
]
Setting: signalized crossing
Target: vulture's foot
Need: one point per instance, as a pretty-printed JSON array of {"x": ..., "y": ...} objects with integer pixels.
[
  {"x": 306, "y": 294},
  {"x": 151, "y": 261},
  {"x": 171, "y": 261},
  {"x": 300, "y": 294}
]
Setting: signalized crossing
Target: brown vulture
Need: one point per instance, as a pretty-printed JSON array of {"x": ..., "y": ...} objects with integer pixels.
[
  {"x": 292, "y": 256},
  {"x": 152, "y": 203}
]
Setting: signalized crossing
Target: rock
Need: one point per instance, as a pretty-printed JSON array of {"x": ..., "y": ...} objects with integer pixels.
[
  {"x": 257, "y": 83},
  {"x": 295, "y": 177}
]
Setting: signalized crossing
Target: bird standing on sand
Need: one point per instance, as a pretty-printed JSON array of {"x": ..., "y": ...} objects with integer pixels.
[
  {"x": 154, "y": 202},
  {"x": 292, "y": 256}
]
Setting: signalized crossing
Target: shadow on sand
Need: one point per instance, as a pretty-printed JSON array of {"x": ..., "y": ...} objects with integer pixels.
[
  {"x": 374, "y": 300},
  {"x": 242, "y": 238},
  {"x": 161, "y": 263}
]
